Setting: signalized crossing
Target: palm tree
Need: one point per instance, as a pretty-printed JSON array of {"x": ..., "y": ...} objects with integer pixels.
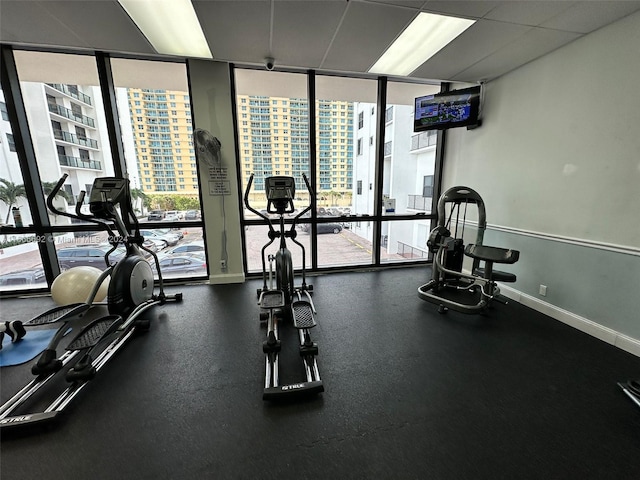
[
  {"x": 9, "y": 194},
  {"x": 47, "y": 188},
  {"x": 138, "y": 194},
  {"x": 333, "y": 195}
]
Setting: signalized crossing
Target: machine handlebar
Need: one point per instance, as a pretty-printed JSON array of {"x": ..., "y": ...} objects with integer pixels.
[
  {"x": 263, "y": 216},
  {"x": 246, "y": 200},
  {"x": 53, "y": 194},
  {"x": 78, "y": 215}
]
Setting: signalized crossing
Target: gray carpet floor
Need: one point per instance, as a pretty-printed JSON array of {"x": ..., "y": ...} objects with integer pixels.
[{"x": 410, "y": 394}]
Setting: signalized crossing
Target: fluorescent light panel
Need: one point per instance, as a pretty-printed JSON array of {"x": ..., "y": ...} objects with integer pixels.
[
  {"x": 171, "y": 26},
  {"x": 422, "y": 39}
]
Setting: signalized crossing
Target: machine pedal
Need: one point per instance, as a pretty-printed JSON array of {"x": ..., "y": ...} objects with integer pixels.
[
  {"x": 57, "y": 314},
  {"x": 302, "y": 315},
  {"x": 272, "y": 299},
  {"x": 95, "y": 332}
]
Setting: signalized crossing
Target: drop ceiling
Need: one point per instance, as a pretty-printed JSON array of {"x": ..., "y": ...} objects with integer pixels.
[{"x": 327, "y": 36}]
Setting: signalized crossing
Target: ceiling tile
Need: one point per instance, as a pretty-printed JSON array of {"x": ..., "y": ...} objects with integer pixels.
[
  {"x": 461, "y": 8},
  {"x": 29, "y": 23},
  {"x": 584, "y": 17},
  {"x": 102, "y": 25},
  {"x": 236, "y": 31},
  {"x": 477, "y": 42},
  {"x": 365, "y": 33},
  {"x": 533, "y": 44},
  {"x": 302, "y": 31},
  {"x": 400, "y": 3},
  {"x": 531, "y": 13}
]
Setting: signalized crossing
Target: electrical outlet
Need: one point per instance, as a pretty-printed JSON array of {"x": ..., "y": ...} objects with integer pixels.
[
  {"x": 543, "y": 290},
  {"x": 223, "y": 264}
]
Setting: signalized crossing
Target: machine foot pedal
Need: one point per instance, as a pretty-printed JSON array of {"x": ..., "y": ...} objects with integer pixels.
[
  {"x": 272, "y": 299},
  {"x": 94, "y": 332},
  {"x": 303, "y": 315},
  {"x": 58, "y": 314}
]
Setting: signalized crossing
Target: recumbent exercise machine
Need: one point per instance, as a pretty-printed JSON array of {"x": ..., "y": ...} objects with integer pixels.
[
  {"x": 285, "y": 302},
  {"x": 449, "y": 287},
  {"x": 130, "y": 295}
]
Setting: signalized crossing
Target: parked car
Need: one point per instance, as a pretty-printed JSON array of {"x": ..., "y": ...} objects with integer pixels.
[
  {"x": 22, "y": 277},
  {"x": 88, "y": 256},
  {"x": 173, "y": 231},
  {"x": 192, "y": 215},
  {"x": 171, "y": 217},
  {"x": 183, "y": 264},
  {"x": 174, "y": 213},
  {"x": 195, "y": 246},
  {"x": 168, "y": 238},
  {"x": 154, "y": 244},
  {"x": 148, "y": 244},
  {"x": 156, "y": 215},
  {"x": 323, "y": 228}
]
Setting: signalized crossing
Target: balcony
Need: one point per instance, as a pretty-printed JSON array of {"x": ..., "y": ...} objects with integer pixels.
[
  {"x": 67, "y": 113},
  {"x": 424, "y": 140},
  {"x": 72, "y": 138},
  {"x": 407, "y": 251},
  {"x": 72, "y": 92},
  {"x": 418, "y": 202},
  {"x": 76, "y": 162}
]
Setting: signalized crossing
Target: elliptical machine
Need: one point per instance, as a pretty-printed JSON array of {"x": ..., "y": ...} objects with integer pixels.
[
  {"x": 286, "y": 301},
  {"x": 130, "y": 294},
  {"x": 448, "y": 254}
]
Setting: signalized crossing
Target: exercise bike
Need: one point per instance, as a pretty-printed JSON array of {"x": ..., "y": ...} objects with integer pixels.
[
  {"x": 285, "y": 301},
  {"x": 130, "y": 295},
  {"x": 474, "y": 292}
]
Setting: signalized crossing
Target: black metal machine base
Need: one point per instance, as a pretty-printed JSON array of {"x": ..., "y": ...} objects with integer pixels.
[{"x": 284, "y": 392}]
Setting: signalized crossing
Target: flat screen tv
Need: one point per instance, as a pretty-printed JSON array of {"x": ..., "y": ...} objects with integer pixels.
[{"x": 456, "y": 108}]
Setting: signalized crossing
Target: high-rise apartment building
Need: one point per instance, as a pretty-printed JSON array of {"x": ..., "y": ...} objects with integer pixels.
[
  {"x": 163, "y": 140},
  {"x": 69, "y": 135},
  {"x": 274, "y": 140}
]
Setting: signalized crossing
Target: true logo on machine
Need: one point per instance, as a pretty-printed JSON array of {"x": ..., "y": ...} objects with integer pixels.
[
  {"x": 292, "y": 387},
  {"x": 22, "y": 418}
]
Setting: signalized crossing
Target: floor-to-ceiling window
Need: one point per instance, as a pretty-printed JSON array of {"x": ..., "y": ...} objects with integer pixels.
[
  {"x": 373, "y": 196},
  {"x": 346, "y": 144},
  {"x": 154, "y": 109},
  {"x": 65, "y": 130},
  {"x": 20, "y": 263},
  {"x": 273, "y": 139},
  {"x": 68, "y": 133},
  {"x": 366, "y": 196},
  {"x": 408, "y": 176}
]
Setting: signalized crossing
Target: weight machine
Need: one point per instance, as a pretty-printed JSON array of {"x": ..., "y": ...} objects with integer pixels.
[{"x": 479, "y": 287}]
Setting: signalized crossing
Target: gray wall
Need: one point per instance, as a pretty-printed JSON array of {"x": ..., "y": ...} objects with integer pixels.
[{"x": 557, "y": 162}]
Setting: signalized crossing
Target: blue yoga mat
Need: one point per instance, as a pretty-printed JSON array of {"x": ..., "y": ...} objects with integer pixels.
[{"x": 31, "y": 345}]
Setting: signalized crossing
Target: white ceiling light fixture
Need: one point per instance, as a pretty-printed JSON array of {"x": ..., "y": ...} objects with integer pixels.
[
  {"x": 171, "y": 26},
  {"x": 421, "y": 40}
]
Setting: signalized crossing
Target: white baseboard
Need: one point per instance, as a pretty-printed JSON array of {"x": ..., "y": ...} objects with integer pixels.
[
  {"x": 606, "y": 334},
  {"x": 226, "y": 278}
]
